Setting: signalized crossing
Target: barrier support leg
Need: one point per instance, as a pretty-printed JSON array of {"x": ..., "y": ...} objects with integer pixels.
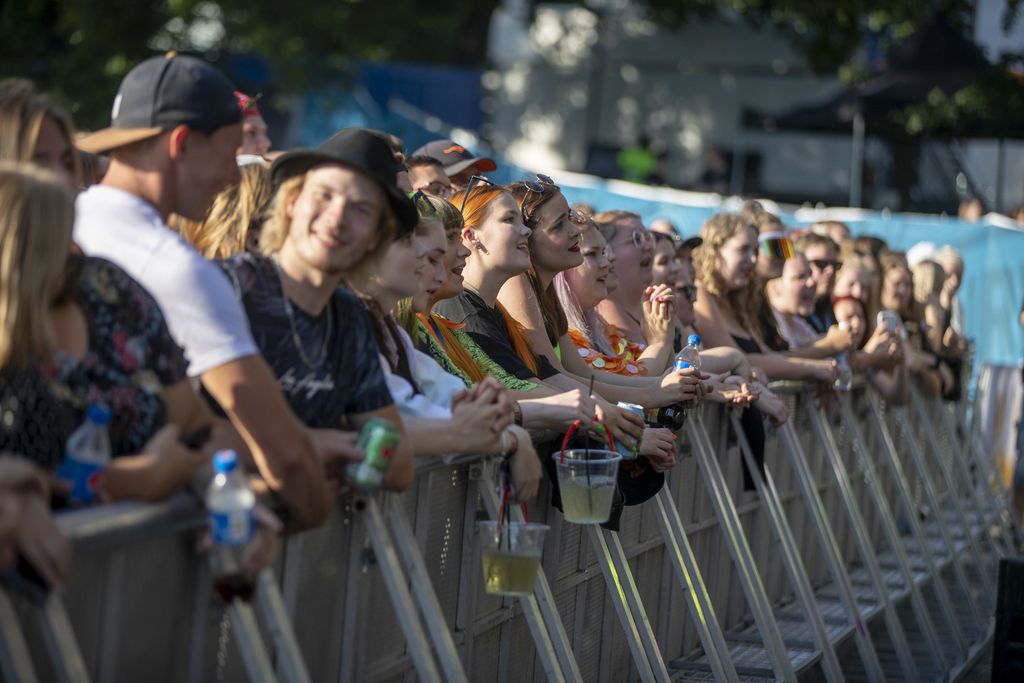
[
  {"x": 61, "y": 643},
  {"x": 863, "y": 541},
  {"x": 739, "y": 548},
  {"x": 250, "y": 644},
  {"x": 387, "y": 559},
  {"x": 893, "y": 540},
  {"x": 830, "y": 547},
  {"x": 716, "y": 650},
  {"x": 798, "y": 580},
  {"x": 15, "y": 660},
  {"x": 291, "y": 667},
  {"x": 423, "y": 592}
]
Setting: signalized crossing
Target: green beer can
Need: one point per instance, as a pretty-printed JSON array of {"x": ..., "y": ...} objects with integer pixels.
[{"x": 378, "y": 439}]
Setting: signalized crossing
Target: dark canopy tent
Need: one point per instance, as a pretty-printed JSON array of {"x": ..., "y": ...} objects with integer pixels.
[{"x": 938, "y": 57}]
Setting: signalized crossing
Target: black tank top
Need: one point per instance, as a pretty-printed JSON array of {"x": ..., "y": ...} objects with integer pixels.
[{"x": 747, "y": 344}]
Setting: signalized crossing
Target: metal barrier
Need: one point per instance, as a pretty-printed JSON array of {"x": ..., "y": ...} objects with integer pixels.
[{"x": 867, "y": 549}]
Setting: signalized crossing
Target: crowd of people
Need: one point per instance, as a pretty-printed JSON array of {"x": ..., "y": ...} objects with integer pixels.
[{"x": 173, "y": 269}]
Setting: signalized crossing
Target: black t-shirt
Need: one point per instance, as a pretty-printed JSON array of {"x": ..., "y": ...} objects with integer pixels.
[
  {"x": 486, "y": 326},
  {"x": 338, "y": 370},
  {"x": 769, "y": 329}
]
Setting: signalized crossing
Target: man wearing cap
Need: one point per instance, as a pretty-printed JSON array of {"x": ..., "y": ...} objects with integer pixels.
[
  {"x": 460, "y": 165},
  {"x": 175, "y": 126},
  {"x": 335, "y": 210}
]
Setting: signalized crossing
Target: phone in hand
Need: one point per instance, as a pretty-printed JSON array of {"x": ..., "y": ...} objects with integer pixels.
[{"x": 891, "y": 321}]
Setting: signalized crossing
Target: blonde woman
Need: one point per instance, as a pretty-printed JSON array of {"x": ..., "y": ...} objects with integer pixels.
[{"x": 726, "y": 265}]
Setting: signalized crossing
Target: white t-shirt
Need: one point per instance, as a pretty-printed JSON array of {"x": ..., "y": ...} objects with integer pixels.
[
  {"x": 438, "y": 385},
  {"x": 203, "y": 314}
]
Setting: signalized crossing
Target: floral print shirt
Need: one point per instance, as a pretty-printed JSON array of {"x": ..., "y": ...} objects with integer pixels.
[
  {"x": 626, "y": 360},
  {"x": 130, "y": 357}
]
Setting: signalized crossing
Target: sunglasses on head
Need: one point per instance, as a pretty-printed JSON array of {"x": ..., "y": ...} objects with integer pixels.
[
  {"x": 641, "y": 239},
  {"x": 537, "y": 187},
  {"x": 822, "y": 264},
  {"x": 475, "y": 180},
  {"x": 777, "y": 246},
  {"x": 423, "y": 205}
]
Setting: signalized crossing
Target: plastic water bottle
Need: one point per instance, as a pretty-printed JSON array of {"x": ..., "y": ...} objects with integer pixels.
[
  {"x": 86, "y": 455},
  {"x": 229, "y": 505},
  {"x": 689, "y": 357},
  {"x": 844, "y": 380}
]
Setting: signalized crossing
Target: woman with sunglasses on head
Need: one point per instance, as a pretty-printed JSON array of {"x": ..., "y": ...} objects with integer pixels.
[
  {"x": 441, "y": 416},
  {"x": 725, "y": 265},
  {"x": 633, "y": 248},
  {"x": 499, "y": 243}
]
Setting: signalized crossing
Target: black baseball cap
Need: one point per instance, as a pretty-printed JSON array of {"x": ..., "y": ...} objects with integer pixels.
[
  {"x": 454, "y": 157},
  {"x": 363, "y": 151},
  {"x": 161, "y": 93}
]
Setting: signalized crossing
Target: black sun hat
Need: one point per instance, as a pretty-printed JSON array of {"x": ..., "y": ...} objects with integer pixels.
[{"x": 360, "y": 150}]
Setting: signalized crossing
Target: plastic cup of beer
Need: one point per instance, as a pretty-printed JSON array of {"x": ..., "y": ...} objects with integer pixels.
[
  {"x": 511, "y": 556},
  {"x": 586, "y": 479}
]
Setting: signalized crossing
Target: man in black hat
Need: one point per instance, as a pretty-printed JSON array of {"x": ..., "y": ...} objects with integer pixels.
[
  {"x": 175, "y": 126},
  {"x": 335, "y": 211},
  {"x": 460, "y": 164}
]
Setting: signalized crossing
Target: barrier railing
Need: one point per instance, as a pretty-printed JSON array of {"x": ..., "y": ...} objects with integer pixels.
[{"x": 868, "y": 547}]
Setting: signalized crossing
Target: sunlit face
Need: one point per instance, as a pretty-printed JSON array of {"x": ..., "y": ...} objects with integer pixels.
[
  {"x": 737, "y": 258},
  {"x": 334, "y": 219},
  {"x": 501, "y": 241},
  {"x": 454, "y": 263},
  {"x": 430, "y": 179},
  {"x": 793, "y": 292},
  {"x": 822, "y": 259},
  {"x": 897, "y": 288},
  {"x": 664, "y": 266},
  {"x": 434, "y": 245},
  {"x": 205, "y": 166},
  {"x": 852, "y": 280},
  {"x": 53, "y": 152},
  {"x": 254, "y": 136},
  {"x": 851, "y": 314},
  {"x": 589, "y": 280},
  {"x": 555, "y": 241},
  {"x": 634, "y": 253}
]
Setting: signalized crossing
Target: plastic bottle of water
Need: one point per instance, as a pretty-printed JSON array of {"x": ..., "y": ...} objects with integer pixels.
[
  {"x": 229, "y": 504},
  {"x": 689, "y": 357},
  {"x": 844, "y": 380},
  {"x": 86, "y": 455}
]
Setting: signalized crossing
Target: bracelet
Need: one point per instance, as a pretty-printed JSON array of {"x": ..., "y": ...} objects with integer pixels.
[
  {"x": 509, "y": 442},
  {"x": 517, "y": 413}
]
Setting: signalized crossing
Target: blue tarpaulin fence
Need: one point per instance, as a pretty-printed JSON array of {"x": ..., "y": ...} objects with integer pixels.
[{"x": 993, "y": 287}]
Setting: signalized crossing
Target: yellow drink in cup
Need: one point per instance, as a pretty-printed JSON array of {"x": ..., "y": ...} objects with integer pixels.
[{"x": 511, "y": 556}]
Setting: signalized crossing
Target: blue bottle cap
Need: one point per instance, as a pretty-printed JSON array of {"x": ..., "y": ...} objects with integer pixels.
[
  {"x": 98, "y": 414},
  {"x": 225, "y": 461},
  {"x": 693, "y": 340}
]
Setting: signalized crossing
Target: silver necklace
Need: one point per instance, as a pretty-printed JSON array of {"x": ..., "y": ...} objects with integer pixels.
[{"x": 296, "y": 340}]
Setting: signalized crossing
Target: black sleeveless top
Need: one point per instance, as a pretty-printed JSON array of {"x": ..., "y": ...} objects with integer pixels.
[{"x": 746, "y": 344}]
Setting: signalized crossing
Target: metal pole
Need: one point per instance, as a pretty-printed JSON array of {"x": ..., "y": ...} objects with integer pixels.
[
  {"x": 857, "y": 159},
  {"x": 863, "y": 542},
  {"x": 801, "y": 585},
  {"x": 892, "y": 536},
  {"x": 397, "y": 583},
  {"x": 739, "y": 548},
  {"x": 65, "y": 654},
  {"x": 290, "y": 664},
  {"x": 250, "y": 645},
  {"x": 15, "y": 660}
]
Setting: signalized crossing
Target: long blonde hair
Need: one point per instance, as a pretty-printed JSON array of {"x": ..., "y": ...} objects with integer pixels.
[
  {"x": 234, "y": 216},
  {"x": 715, "y": 232},
  {"x": 22, "y": 112},
  {"x": 35, "y": 242}
]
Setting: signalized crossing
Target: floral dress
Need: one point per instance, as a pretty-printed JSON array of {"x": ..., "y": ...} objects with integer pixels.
[
  {"x": 626, "y": 360},
  {"x": 130, "y": 357}
]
